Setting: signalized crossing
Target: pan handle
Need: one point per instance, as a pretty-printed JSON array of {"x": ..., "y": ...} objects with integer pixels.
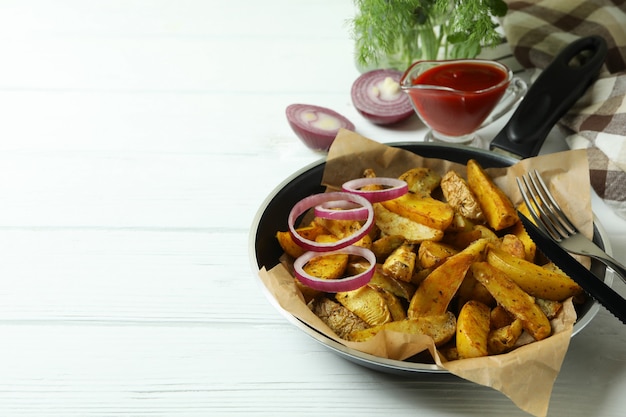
[{"x": 554, "y": 92}]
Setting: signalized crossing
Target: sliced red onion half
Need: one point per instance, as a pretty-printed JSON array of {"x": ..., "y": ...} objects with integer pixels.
[
  {"x": 341, "y": 210},
  {"x": 378, "y": 97},
  {"x": 316, "y": 126},
  {"x": 336, "y": 285},
  {"x": 317, "y": 199},
  {"x": 394, "y": 188}
]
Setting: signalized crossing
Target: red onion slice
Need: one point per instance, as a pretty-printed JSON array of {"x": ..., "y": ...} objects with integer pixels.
[
  {"x": 336, "y": 285},
  {"x": 377, "y": 96},
  {"x": 317, "y": 199},
  {"x": 341, "y": 210},
  {"x": 395, "y": 188},
  {"x": 316, "y": 126}
]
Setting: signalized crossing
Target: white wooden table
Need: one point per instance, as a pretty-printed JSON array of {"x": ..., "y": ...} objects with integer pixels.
[{"x": 137, "y": 140}]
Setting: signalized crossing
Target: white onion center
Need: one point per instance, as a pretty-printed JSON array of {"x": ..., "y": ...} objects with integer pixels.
[
  {"x": 387, "y": 89},
  {"x": 320, "y": 121}
]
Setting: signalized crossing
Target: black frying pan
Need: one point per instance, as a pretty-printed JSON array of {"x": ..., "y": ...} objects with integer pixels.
[{"x": 552, "y": 94}]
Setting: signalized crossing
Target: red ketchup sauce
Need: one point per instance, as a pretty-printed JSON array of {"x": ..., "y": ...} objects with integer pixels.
[{"x": 459, "y": 112}]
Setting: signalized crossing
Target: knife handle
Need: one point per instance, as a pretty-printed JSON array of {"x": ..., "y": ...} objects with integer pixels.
[{"x": 554, "y": 92}]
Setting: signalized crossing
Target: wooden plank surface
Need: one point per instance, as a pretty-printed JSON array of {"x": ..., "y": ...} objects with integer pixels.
[{"x": 137, "y": 141}]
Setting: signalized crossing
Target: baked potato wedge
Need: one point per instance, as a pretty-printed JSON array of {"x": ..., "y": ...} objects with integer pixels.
[
  {"x": 550, "y": 308},
  {"x": 421, "y": 180},
  {"x": 512, "y": 245},
  {"x": 422, "y": 209},
  {"x": 391, "y": 285},
  {"x": 432, "y": 254},
  {"x": 500, "y": 317},
  {"x": 391, "y": 223},
  {"x": 471, "y": 289},
  {"x": 535, "y": 280},
  {"x": 530, "y": 247},
  {"x": 496, "y": 206},
  {"x": 434, "y": 294},
  {"x": 385, "y": 245},
  {"x": 338, "y": 228},
  {"x": 503, "y": 339},
  {"x": 441, "y": 328},
  {"x": 472, "y": 330},
  {"x": 459, "y": 195},
  {"x": 460, "y": 224},
  {"x": 290, "y": 247},
  {"x": 401, "y": 263},
  {"x": 367, "y": 303},
  {"x": 461, "y": 239},
  {"x": 327, "y": 266},
  {"x": 395, "y": 306},
  {"x": 341, "y": 320},
  {"x": 486, "y": 233},
  {"x": 510, "y": 296}
]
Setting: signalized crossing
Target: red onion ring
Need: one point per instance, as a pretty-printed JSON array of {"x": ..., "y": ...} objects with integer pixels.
[
  {"x": 336, "y": 285},
  {"x": 341, "y": 210},
  {"x": 317, "y": 199},
  {"x": 396, "y": 188}
]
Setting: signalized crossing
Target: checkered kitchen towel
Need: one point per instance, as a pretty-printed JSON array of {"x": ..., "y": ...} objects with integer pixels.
[{"x": 537, "y": 30}]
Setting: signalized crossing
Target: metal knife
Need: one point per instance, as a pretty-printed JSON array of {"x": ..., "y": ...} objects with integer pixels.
[{"x": 593, "y": 285}]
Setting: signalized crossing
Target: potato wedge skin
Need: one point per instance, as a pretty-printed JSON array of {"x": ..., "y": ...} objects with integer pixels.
[
  {"x": 510, "y": 296},
  {"x": 440, "y": 327},
  {"x": 341, "y": 320},
  {"x": 550, "y": 308},
  {"x": 513, "y": 245},
  {"x": 472, "y": 330},
  {"x": 535, "y": 280},
  {"x": 460, "y": 196},
  {"x": 434, "y": 294},
  {"x": 496, "y": 206}
]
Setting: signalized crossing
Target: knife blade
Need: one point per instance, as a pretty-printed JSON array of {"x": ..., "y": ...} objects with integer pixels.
[{"x": 590, "y": 283}]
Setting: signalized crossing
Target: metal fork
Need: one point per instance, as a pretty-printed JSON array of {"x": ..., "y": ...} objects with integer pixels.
[{"x": 549, "y": 217}]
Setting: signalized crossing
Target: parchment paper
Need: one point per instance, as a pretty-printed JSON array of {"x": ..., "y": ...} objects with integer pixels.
[{"x": 525, "y": 375}]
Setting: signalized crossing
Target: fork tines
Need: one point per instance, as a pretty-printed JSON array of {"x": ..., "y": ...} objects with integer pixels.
[{"x": 544, "y": 209}]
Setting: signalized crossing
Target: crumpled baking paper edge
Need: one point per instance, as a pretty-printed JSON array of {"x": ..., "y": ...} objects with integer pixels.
[{"x": 525, "y": 375}]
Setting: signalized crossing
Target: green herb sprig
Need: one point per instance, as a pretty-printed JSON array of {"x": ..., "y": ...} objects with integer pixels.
[{"x": 398, "y": 32}]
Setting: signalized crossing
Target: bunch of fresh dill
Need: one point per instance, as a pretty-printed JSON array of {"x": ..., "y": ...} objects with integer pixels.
[{"x": 395, "y": 33}]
